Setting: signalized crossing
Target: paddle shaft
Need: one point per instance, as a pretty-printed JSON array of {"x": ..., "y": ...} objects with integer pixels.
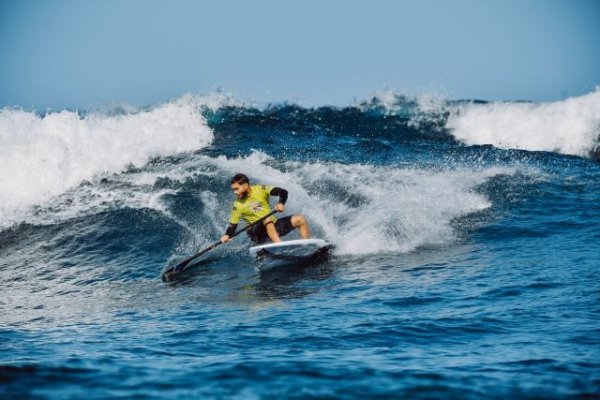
[{"x": 185, "y": 262}]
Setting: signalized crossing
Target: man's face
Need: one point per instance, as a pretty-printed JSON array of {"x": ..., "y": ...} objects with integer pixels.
[{"x": 240, "y": 190}]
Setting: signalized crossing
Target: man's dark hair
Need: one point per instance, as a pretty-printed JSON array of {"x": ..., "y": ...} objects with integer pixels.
[{"x": 240, "y": 179}]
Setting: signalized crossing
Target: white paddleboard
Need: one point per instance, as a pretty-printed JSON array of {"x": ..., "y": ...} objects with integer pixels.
[{"x": 273, "y": 255}]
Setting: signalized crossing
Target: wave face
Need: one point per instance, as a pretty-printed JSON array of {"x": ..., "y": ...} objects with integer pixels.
[{"x": 465, "y": 263}]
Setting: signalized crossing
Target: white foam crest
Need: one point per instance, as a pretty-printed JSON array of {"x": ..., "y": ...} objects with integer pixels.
[
  {"x": 87, "y": 200},
  {"x": 42, "y": 157},
  {"x": 108, "y": 192},
  {"x": 571, "y": 126}
]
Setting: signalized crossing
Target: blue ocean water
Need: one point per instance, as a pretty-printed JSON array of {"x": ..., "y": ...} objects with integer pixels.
[{"x": 466, "y": 262}]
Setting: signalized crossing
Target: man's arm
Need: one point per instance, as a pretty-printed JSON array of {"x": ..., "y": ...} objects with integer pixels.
[
  {"x": 229, "y": 232},
  {"x": 283, "y": 195},
  {"x": 231, "y": 229},
  {"x": 234, "y": 218}
]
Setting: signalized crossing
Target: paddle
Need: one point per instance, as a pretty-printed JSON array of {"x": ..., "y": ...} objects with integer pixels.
[{"x": 171, "y": 272}]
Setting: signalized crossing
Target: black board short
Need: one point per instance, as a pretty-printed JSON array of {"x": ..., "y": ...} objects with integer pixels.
[{"x": 258, "y": 233}]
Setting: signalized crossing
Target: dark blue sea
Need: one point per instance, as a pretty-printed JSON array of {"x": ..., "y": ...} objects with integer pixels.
[{"x": 466, "y": 260}]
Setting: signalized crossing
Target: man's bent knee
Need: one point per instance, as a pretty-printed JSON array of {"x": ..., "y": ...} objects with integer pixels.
[{"x": 298, "y": 220}]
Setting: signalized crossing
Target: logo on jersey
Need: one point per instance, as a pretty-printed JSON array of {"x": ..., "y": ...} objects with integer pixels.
[{"x": 255, "y": 206}]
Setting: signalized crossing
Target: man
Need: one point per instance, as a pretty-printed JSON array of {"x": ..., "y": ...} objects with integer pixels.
[{"x": 253, "y": 203}]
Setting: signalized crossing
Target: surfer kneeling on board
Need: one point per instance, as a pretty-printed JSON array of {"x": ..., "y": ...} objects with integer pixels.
[{"x": 252, "y": 203}]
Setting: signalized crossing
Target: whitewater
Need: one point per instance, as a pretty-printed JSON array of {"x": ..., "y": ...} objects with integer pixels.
[{"x": 465, "y": 264}]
